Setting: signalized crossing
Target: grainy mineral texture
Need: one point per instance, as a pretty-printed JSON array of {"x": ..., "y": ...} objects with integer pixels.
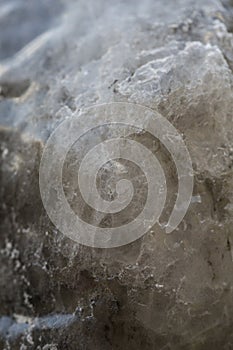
[{"x": 163, "y": 291}]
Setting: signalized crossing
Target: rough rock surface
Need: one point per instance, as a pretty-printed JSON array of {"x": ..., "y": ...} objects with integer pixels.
[{"x": 162, "y": 291}]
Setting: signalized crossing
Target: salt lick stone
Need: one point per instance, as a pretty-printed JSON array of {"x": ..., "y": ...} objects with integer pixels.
[{"x": 162, "y": 291}]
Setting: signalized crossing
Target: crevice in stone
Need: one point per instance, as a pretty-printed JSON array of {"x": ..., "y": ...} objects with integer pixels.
[{"x": 13, "y": 89}]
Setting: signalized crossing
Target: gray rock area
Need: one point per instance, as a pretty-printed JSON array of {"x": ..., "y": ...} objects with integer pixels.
[{"x": 163, "y": 291}]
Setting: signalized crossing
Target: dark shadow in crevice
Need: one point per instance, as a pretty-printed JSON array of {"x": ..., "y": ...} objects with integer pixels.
[{"x": 13, "y": 89}]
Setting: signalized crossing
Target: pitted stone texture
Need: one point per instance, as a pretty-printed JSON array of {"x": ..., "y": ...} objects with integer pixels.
[{"x": 163, "y": 291}]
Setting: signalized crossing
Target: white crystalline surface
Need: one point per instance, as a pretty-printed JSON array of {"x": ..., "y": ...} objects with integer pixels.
[{"x": 162, "y": 291}]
